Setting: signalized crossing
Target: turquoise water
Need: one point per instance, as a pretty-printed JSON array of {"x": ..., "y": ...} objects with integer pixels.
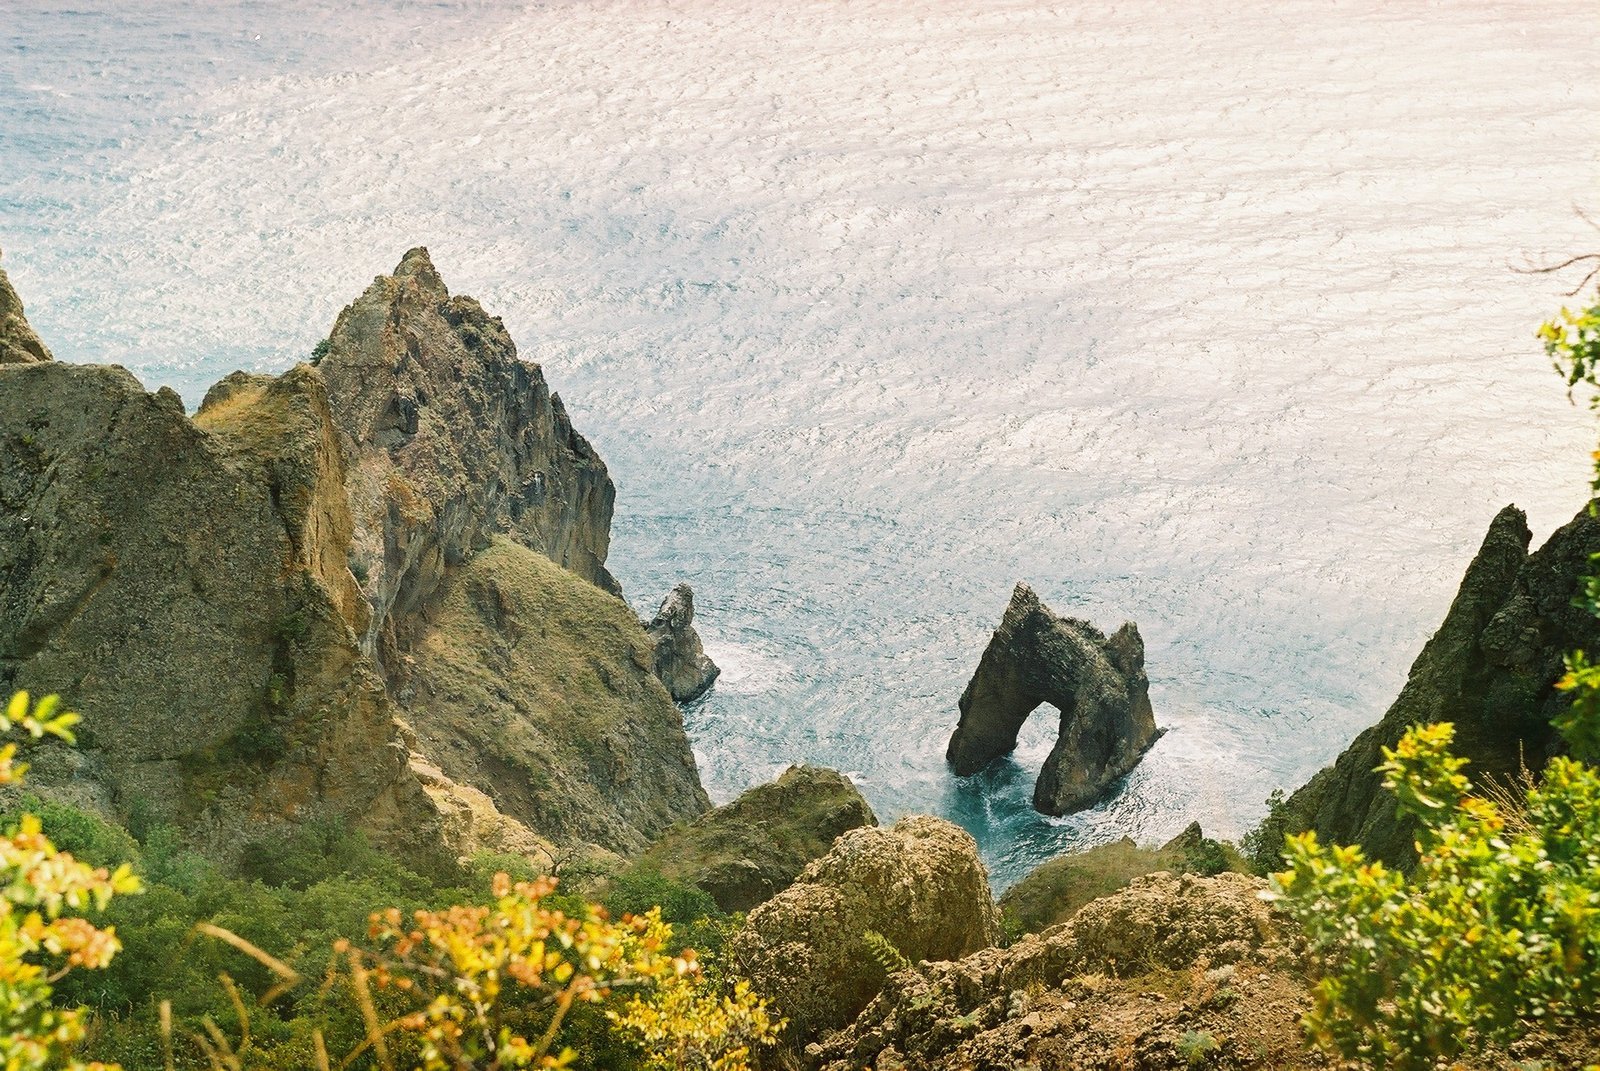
[{"x": 1203, "y": 318}]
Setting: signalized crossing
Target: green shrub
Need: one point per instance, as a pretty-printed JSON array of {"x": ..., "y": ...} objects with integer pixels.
[
  {"x": 1497, "y": 928},
  {"x": 1262, "y": 847}
]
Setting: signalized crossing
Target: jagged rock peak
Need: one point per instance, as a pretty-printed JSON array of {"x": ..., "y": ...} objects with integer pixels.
[
  {"x": 1097, "y": 684},
  {"x": 681, "y": 662},
  {"x": 450, "y": 439},
  {"x": 1491, "y": 669},
  {"x": 18, "y": 343}
]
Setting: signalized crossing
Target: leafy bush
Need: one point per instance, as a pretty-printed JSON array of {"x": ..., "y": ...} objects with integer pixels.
[
  {"x": 1262, "y": 847},
  {"x": 1495, "y": 929},
  {"x": 42, "y": 938}
]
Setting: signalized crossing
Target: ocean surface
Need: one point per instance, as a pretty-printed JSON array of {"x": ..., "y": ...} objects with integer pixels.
[{"x": 1203, "y": 315}]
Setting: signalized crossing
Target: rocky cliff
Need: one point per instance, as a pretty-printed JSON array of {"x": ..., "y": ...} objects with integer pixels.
[
  {"x": 680, "y": 660},
  {"x": 1491, "y": 669},
  {"x": 1097, "y": 684},
  {"x": 746, "y": 852},
  {"x": 1172, "y": 972},
  {"x": 334, "y": 593},
  {"x": 18, "y": 343}
]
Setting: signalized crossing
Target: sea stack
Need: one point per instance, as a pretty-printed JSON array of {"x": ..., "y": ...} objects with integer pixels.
[
  {"x": 1097, "y": 684},
  {"x": 681, "y": 661}
]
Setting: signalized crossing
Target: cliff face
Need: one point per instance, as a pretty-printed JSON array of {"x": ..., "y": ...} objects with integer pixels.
[
  {"x": 18, "y": 343},
  {"x": 248, "y": 650},
  {"x": 449, "y": 439},
  {"x": 1491, "y": 669}
]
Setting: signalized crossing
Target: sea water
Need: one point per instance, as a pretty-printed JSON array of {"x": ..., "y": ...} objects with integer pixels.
[{"x": 1202, "y": 315}]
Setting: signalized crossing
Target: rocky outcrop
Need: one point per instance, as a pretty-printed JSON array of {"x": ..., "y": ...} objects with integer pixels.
[
  {"x": 1200, "y": 953},
  {"x": 748, "y": 851},
  {"x": 680, "y": 661},
  {"x": 918, "y": 883},
  {"x": 1491, "y": 669},
  {"x": 250, "y": 651},
  {"x": 1054, "y": 891},
  {"x": 448, "y": 439},
  {"x": 1097, "y": 684},
  {"x": 18, "y": 343}
]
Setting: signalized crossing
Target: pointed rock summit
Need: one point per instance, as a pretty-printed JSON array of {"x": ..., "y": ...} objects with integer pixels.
[
  {"x": 1097, "y": 684},
  {"x": 681, "y": 661},
  {"x": 448, "y": 439},
  {"x": 371, "y": 590},
  {"x": 18, "y": 343}
]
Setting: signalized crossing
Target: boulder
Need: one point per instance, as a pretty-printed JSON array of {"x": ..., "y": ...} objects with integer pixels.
[
  {"x": 18, "y": 343},
  {"x": 918, "y": 883},
  {"x": 748, "y": 851},
  {"x": 1490, "y": 669},
  {"x": 1097, "y": 684},
  {"x": 680, "y": 661},
  {"x": 251, "y": 652}
]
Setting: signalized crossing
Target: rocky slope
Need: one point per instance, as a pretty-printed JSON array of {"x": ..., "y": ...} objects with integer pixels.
[
  {"x": 295, "y": 606},
  {"x": 748, "y": 851},
  {"x": 18, "y": 343},
  {"x": 1118, "y": 986},
  {"x": 1490, "y": 669},
  {"x": 1097, "y": 684}
]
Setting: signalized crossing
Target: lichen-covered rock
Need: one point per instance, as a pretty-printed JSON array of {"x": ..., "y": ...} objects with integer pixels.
[
  {"x": 448, "y": 439},
  {"x": 1056, "y": 1000},
  {"x": 918, "y": 883},
  {"x": 748, "y": 851},
  {"x": 1097, "y": 684},
  {"x": 680, "y": 660},
  {"x": 18, "y": 343},
  {"x": 1490, "y": 669}
]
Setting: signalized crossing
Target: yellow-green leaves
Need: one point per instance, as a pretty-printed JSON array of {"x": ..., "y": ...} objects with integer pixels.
[
  {"x": 41, "y": 940},
  {"x": 1495, "y": 928}
]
